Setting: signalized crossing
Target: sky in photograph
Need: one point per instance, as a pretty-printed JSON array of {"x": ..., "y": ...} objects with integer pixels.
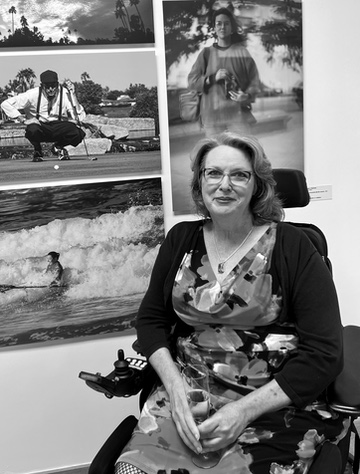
[
  {"x": 117, "y": 70},
  {"x": 90, "y": 18}
]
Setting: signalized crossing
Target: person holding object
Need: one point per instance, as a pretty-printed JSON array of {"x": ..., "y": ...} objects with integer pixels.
[
  {"x": 227, "y": 78},
  {"x": 250, "y": 297},
  {"x": 50, "y": 113}
]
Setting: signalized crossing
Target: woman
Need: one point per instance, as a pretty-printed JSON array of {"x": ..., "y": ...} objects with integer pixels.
[
  {"x": 244, "y": 290},
  {"x": 227, "y": 78},
  {"x": 54, "y": 268}
]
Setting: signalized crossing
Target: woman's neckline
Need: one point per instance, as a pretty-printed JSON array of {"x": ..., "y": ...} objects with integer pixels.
[
  {"x": 256, "y": 235},
  {"x": 222, "y": 48}
]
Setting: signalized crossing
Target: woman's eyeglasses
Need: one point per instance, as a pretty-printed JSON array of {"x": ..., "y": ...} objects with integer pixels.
[{"x": 237, "y": 178}]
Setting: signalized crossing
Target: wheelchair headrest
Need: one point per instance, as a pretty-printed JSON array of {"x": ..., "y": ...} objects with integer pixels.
[{"x": 291, "y": 187}]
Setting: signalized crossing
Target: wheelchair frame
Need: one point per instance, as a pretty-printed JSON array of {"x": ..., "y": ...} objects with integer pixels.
[{"x": 344, "y": 394}]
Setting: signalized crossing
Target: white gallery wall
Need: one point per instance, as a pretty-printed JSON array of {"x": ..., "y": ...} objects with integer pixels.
[{"x": 49, "y": 419}]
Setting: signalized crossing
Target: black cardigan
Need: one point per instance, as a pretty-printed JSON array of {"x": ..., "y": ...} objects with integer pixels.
[{"x": 309, "y": 302}]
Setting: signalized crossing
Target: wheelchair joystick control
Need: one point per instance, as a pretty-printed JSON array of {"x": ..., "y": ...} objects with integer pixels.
[
  {"x": 125, "y": 380},
  {"x": 121, "y": 365}
]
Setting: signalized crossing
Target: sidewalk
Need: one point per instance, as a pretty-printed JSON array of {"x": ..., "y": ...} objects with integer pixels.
[{"x": 265, "y": 121}]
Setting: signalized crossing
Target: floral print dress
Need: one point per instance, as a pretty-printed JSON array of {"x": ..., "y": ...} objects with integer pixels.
[{"x": 237, "y": 335}]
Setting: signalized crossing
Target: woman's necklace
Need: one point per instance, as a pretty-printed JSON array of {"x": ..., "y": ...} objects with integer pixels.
[{"x": 221, "y": 266}]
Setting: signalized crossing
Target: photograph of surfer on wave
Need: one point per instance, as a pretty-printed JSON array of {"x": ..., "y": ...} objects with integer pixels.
[{"x": 75, "y": 260}]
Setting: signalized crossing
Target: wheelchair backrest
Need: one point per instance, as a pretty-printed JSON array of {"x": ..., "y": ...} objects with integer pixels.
[{"x": 292, "y": 189}]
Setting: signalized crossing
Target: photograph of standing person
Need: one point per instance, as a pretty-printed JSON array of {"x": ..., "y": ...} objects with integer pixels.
[
  {"x": 227, "y": 78},
  {"x": 233, "y": 66}
]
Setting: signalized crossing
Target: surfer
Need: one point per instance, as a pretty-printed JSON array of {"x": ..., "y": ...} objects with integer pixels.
[{"x": 54, "y": 268}]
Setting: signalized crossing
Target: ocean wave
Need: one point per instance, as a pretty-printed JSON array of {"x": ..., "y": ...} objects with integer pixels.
[{"x": 110, "y": 255}]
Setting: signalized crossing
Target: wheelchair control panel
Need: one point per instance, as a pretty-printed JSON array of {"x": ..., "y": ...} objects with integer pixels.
[{"x": 124, "y": 381}]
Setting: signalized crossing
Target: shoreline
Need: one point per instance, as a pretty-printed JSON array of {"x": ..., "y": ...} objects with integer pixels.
[{"x": 110, "y": 327}]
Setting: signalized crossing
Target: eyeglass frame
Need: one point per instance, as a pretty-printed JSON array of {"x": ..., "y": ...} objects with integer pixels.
[{"x": 245, "y": 182}]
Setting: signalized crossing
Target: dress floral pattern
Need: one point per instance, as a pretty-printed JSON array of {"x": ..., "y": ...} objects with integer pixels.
[{"x": 238, "y": 336}]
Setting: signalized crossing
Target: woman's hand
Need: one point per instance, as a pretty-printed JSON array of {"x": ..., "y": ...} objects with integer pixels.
[
  {"x": 227, "y": 424},
  {"x": 183, "y": 419},
  {"x": 222, "y": 75},
  {"x": 223, "y": 428},
  {"x": 239, "y": 96},
  {"x": 170, "y": 376}
]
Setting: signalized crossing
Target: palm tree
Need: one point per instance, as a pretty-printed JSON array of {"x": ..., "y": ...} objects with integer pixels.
[
  {"x": 24, "y": 22},
  {"x": 85, "y": 76},
  {"x": 122, "y": 13},
  {"x": 135, "y": 3},
  {"x": 26, "y": 78},
  {"x": 119, "y": 13},
  {"x": 12, "y": 11}
]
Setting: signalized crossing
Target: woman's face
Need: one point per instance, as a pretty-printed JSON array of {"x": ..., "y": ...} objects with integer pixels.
[
  {"x": 223, "y": 27},
  {"x": 226, "y": 198}
]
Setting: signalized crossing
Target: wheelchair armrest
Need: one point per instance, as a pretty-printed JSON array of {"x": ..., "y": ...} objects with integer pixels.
[
  {"x": 125, "y": 380},
  {"x": 344, "y": 392}
]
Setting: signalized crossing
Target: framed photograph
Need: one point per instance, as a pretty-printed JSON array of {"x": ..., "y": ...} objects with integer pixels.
[
  {"x": 82, "y": 24},
  {"x": 75, "y": 260},
  {"x": 117, "y": 92},
  {"x": 247, "y": 79}
]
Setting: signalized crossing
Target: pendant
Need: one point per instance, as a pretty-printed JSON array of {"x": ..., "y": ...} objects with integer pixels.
[{"x": 221, "y": 267}]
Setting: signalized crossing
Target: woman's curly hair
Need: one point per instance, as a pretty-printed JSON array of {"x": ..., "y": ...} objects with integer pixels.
[{"x": 265, "y": 206}]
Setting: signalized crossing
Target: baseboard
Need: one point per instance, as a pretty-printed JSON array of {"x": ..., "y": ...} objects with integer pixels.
[{"x": 82, "y": 469}]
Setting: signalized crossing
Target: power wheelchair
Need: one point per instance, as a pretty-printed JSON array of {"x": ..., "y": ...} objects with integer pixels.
[{"x": 133, "y": 375}]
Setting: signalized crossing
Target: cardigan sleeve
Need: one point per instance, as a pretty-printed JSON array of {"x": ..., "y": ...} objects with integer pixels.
[
  {"x": 311, "y": 303},
  {"x": 156, "y": 317}
]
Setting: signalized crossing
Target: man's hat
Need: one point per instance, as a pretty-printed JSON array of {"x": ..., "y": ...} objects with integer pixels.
[{"x": 48, "y": 76}]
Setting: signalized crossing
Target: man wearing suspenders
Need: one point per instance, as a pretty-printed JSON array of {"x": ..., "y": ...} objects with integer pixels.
[{"x": 50, "y": 112}]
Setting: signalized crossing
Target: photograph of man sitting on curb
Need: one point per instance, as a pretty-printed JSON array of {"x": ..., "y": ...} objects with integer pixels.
[{"x": 51, "y": 113}]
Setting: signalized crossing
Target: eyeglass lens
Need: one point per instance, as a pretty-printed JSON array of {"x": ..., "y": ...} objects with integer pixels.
[{"x": 236, "y": 177}]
